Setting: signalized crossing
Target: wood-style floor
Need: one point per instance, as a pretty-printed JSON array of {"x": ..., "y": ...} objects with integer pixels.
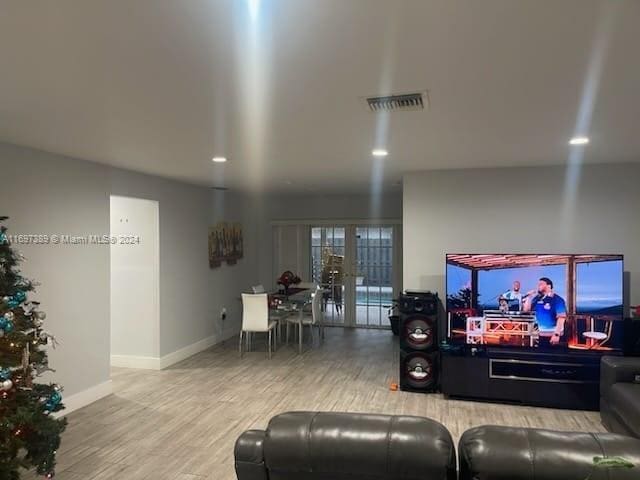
[{"x": 181, "y": 423}]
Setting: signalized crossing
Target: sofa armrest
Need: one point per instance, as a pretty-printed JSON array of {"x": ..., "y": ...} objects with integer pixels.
[
  {"x": 617, "y": 370},
  {"x": 249, "y": 456}
]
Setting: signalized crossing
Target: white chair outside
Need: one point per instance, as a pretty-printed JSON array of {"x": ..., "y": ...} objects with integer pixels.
[
  {"x": 258, "y": 289},
  {"x": 315, "y": 320},
  {"x": 255, "y": 318}
]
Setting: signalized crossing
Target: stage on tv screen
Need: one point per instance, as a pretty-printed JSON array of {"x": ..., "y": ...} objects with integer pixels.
[{"x": 547, "y": 301}]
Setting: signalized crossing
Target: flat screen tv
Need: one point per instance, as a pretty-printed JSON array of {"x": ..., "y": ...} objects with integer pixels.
[{"x": 554, "y": 302}]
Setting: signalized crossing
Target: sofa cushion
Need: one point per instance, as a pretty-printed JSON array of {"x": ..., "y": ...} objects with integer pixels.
[
  {"x": 508, "y": 453},
  {"x": 311, "y": 445},
  {"x": 624, "y": 401}
]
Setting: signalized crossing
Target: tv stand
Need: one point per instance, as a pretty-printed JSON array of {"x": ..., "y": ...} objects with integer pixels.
[{"x": 558, "y": 380}]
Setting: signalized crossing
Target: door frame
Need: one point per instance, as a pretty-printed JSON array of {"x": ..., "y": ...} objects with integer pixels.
[
  {"x": 350, "y": 225},
  {"x": 135, "y": 359}
]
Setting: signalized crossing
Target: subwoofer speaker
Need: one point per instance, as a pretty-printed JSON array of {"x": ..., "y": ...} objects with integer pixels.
[
  {"x": 419, "y": 371},
  {"x": 419, "y": 355},
  {"x": 418, "y": 332}
]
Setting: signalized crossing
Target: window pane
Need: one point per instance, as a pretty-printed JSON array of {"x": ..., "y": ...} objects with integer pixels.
[
  {"x": 386, "y": 234},
  {"x": 316, "y": 236}
]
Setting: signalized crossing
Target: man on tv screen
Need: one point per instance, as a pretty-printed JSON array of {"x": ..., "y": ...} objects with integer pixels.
[
  {"x": 514, "y": 297},
  {"x": 550, "y": 310}
]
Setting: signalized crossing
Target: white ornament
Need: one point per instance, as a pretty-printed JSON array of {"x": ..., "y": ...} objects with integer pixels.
[
  {"x": 41, "y": 315},
  {"x": 28, "y": 308},
  {"x": 9, "y": 316},
  {"x": 6, "y": 385}
]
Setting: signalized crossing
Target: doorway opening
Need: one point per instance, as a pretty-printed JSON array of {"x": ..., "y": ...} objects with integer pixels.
[{"x": 135, "y": 292}]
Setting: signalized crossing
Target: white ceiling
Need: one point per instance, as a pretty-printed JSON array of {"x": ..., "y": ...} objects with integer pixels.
[{"x": 161, "y": 86}]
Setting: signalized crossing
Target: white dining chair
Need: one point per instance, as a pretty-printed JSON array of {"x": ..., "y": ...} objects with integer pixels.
[
  {"x": 258, "y": 289},
  {"x": 255, "y": 318},
  {"x": 313, "y": 320}
]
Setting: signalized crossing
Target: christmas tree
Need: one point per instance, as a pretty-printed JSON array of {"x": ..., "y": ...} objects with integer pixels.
[{"x": 29, "y": 434}]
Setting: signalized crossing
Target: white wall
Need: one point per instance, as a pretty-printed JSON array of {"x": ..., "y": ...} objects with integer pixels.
[
  {"x": 227, "y": 282},
  {"x": 135, "y": 312},
  {"x": 519, "y": 210},
  {"x": 46, "y": 193},
  {"x": 49, "y": 194}
]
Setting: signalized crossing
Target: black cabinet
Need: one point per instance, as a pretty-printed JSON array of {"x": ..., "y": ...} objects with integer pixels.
[
  {"x": 560, "y": 381},
  {"x": 464, "y": 376}
]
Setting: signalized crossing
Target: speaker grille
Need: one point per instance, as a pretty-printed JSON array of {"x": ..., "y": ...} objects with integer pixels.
[
  {"x": 418, "y": 332},
  {"x": 419, "y": 371}
]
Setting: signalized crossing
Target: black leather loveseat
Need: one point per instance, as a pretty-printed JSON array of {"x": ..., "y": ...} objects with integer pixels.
[
  {"x": 342, "y": 446},
  {"x": 620, "y": 395}
]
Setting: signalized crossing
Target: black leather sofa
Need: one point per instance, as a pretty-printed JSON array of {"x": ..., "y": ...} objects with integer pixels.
[
  {"x": 620, "y": 395},
  {"x": 505, "y": 453},
  {"x": 344, "y": 446}
]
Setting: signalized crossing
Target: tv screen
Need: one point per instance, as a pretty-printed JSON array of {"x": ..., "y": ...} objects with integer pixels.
[{"x": 547, "y": 302}]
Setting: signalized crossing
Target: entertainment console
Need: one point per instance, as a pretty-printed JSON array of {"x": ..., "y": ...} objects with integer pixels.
[{"x": 531, "y": 378}]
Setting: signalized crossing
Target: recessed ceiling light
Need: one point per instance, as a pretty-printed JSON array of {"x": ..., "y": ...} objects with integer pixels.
[
  {"x": 579, "y": 141},
  {"x": 379, "y": 152},
  {"x": 218, "y": 159}
]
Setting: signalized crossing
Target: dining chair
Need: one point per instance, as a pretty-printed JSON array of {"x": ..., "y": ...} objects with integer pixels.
[
  {"x": 313, "y": 320},
  {"x": 255, "y": 318},
  {"x": 258, "y": 289}
]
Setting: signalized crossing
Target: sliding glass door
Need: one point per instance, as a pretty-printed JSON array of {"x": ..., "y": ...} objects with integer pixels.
[
  {"x": 358, "y": 268},
  {"x": 374, "y": 275},
  {"x": 328, "y": 248}
]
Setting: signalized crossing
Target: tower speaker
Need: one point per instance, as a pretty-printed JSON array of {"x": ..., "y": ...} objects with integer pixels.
[{"x": 419, "y": 356}]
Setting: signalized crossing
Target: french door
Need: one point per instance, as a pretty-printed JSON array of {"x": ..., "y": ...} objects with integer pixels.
[{"x": 358, "y": 266}]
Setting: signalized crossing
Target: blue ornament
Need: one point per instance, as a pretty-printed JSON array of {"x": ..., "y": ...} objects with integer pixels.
[
  {"x": 3, "y": 322},
  {"x": 3, "y": 238},
  {"x": 54, "y": 400},
  {"x": 20, "y": 296},
  {"x": 8, "y": 327},
  {"x": 12, "y": 303},
  {"x": 5, "y": 374}
]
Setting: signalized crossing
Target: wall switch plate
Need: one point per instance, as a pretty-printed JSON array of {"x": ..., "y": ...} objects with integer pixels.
[{"x": 637, "y": 379}]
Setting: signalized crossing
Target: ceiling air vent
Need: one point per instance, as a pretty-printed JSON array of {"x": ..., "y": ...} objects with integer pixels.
[{"x": 398, "y": 102}]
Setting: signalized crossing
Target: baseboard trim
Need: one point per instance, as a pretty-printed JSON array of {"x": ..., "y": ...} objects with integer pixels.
[
  {"x": 188, "y": 351},
  {"x": 155, "y": 363},
  {"x": 85, "y": 397},
  {"x": 132, "y": 361}
]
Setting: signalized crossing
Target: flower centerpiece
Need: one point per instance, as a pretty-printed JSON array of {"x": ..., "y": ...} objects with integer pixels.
[{"x": 287, "y": 279}]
